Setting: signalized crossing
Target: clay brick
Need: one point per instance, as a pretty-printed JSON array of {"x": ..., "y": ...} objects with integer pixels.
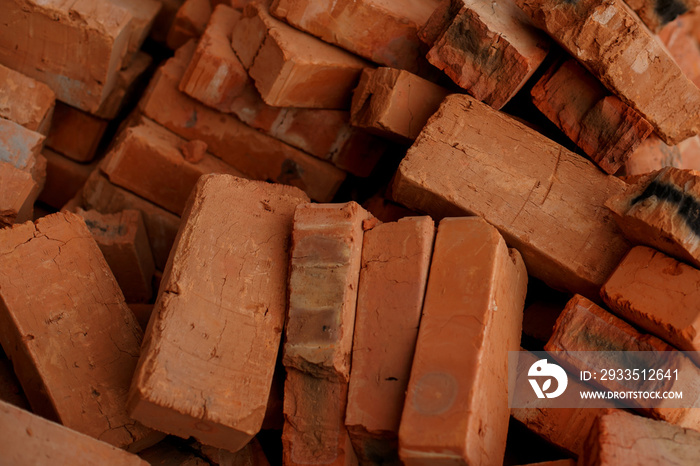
[
  {"x": 471, "y": 159},
  {"x": 471, "y": 318},
  {"x": 655, "y": 442},
  {"x": 323, "y": 133},
  {"x": 209, "y": 353},
  {"x": 659, "y": 294},
  {"x": 380, "y": 31},
  {"x": 142, "y": 312},
  {"x": 314, "y": 432},
  {"x": 654, "y": 154},
  {"x": 147, "y": 161},
  {"x": 607, "y": 129},
  {"x": 25, "y": 101},
  {"x": 609, "y": 40},
  {"x": 10, "y": 390},
  {"x": 81, "y": 67},
  {"x": 585, "y": 326},
  {"x": 684, "y": 48},
  {"x": 394, "y": 103},
  {"x": 164, "y": 20},
  {"x": 18, "y": 191},
  {"x": 189, "y": 23},
  {"x": 83, "y": 316},
  {"x": 215, "y": 76},
  {"x": 657, "y": 14},
  {"x": 21, "y": 148},
  {"x": 291, "y": 68},
  {"x": 75, "y": 134},
  {"x": 490, "y": 49},
  {"x": 386, "y": 210},
  {"x": 662, "y": 210},
  {"x": 565, "y": 462},
  {"x": 64, "y": 178},
  {"x": 128, "y": 82},
  {"x": 250, "y": 455},
  {"x": 172, "y": 452},
  {"x": 324, "y": 272},
  {"x": 161, "y": 225},
  {"x": 123, "y": 241},
  {"x": 30, "y": 439},
  {"x": 395, "y": 263},
  {"x": 143, "y": 14},
  {"x": 254, "y": 154},
  {"x": 438, "y": 21}
]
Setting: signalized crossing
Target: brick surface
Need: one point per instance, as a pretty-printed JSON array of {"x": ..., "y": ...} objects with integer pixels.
[
  {"x": 655, "y": 442},
  {"x": 654, "y": 154},
  {"x": 143, "y": 14},
  {"x": 323, "y": 278},
  {"x": 172, "y": 452},
  {"x": 142, "y": 312},
  {"x": 161, "y": 225},
  {"x": 64, "y": 178},
  {"x": 659, "y": 294},
  {"x": 386, "y": 210},
  {"x": 164, "y": 20},
  {"x": 394, "y": 103},
  {"x": 395, "y": 263},
  {"x": 471, "y": 318},
  {"x": 657, "y": 14},
  {"x": 147, "y": 160},
  {"x": 381, "y": 31},
  {"x": 207, "y": 373},
  {"x": 26, "y": 101},
  {"x": 21, "y": 147},
  {"x": 662, "y": 210},
  {"x": 30, "y": 439},
  {"x": 244, "y": 148},
  {"x": 607, "y": 129},
  {"x": 683, "y": 47},
  {"x": 123, "y": 241},
  {"x": 189, "y": 23},
  {"x": 585, "y": 326},
  {"x": 18, "y": 191},
  {"x": 75, "y": 134},
  {"x": 609, "y": 40},
  {"x": 291, "y": 68},
  {"x": 128, "y": 83},
  {"x": 489, "y": 49},
  {"x": 95, "y": 33},
  {"x": 82, "y": 317},
  {"x": 471, "y": 159},
  {"x": 250, "y": 455},
  {"x": 314, "y": 432}
]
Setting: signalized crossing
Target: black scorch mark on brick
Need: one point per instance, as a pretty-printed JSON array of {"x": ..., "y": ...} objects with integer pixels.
[
  {"x": 668, "y": 10},
  {"x": 688, "y": 206}
]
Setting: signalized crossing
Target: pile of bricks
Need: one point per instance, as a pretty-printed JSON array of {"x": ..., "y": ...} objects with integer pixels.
[{"x": 309, "y": 232}]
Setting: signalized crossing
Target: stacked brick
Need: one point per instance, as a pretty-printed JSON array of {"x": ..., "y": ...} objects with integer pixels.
[{"x": 311, "y": 232}]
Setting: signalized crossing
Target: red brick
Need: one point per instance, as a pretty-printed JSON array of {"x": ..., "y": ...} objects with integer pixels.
[
  {"x": 584, "y": 326},
  {"x": 380, "y": 31},
  {"x": 471, "y": 159},
  {"x": 291, "y": 68},
  {"x": 323, "y": 277},
  {"x": 490, "y": 49},
  {"x": 654, "y": 154},
  {"x": 189, "y": 22},
  {"x": 18, "y": 191},
  {"x": 64, "y": 178},
  {"x": 395, "y": 263},
  {"x": 10, "y": 390},
  {"x": 614, "y": 45},
  {"x": 250, "y": 455},
  {"x": 146, "y": 160},
  {"x": 623, "y": 438},
  {"x": 82, "y": 317},
  {"x": 142, "y": 312},
  {"x": 172, "y": 452},
  {"x": 662, "y": 210},
  {"x": 565, "y": 462},
  {"x": 94, "y": 33},
  {"x": 386, "y": 210},
  {"x": 30, "y": 439},
  {"x": 394, "y": 103},
  {"x": 659, "y": 294},
  {"x": 254, "y": 154},
  {"x": 164, "y": 20},
  {"x": 209, "y": 353},
  {"x": 655, "y": 14},
  {"x": 143, "y": 14},
  {"x": 438, "y": 21},
  {"x": 128, "y": 84},
  {"x": 471, "y": 318},
  {"x": 314, "y": 432},
  {"x": 21, "y": 147},
  {"x": 683, "y": 47},
  {"x": 161, "y": 225},
  {"x": 75, "y": 134},
  {"x": 607, "y": 129},
  {"x": 215, "y": 76},
  {"x": 25, "y": 101},
  {"x": 123, "y": 241}
]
